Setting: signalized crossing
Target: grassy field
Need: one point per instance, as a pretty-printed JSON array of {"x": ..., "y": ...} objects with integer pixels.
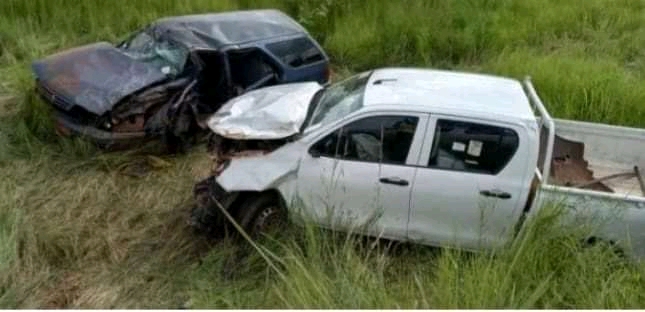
[{"x": 76, "y": 232}]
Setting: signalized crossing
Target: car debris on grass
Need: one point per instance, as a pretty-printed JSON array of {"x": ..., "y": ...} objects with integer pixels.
[{"x": 165, "y": 79}]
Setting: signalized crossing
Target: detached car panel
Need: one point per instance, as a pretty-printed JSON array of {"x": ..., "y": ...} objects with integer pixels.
[{"x": 166, "y": 79}]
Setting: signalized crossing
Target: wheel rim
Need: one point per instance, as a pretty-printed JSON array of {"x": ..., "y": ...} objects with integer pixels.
[{"x": 268, "y": 219}]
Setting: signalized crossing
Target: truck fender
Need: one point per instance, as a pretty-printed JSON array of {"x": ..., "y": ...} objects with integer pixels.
[{"x": 257, "y": 173}]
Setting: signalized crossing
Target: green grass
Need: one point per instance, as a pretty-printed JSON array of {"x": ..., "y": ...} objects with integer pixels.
[{"x": 76, "y": 232}]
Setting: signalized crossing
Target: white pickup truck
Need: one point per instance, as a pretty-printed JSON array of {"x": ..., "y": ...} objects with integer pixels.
[{"x": 430, "y": 156}]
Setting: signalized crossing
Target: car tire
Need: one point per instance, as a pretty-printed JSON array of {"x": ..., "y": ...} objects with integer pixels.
[
  {"x": 262, "y": 214},
  {"x": 205, "y": 216}
]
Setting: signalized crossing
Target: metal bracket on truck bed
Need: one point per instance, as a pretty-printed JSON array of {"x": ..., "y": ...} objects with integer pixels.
[{"x": 546, "y": 120}]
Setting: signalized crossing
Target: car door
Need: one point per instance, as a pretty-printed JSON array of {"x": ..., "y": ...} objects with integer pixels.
[
  {"x": 359, "y": 176},
  {"x": 469, "y": 186}
]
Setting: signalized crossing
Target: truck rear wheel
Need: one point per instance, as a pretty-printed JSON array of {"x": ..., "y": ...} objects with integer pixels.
[
  {"x": 599, "y": 242},
  {"x": 262, "y": 214}
]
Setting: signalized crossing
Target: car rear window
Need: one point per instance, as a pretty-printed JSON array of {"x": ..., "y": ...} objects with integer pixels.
[{"x": 296, "y": 52}]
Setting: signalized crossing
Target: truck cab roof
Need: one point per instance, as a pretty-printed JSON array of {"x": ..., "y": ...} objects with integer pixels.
[{"x": 448, "y": 92}]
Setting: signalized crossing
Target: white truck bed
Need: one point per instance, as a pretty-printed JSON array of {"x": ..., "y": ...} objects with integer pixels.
[
  {"x": 614, "y": 209},
  {"x": 619, "y": 211},
  {"x": 609, "y": 150}
]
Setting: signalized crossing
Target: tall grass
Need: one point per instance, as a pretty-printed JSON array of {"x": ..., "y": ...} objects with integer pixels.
[
  {"x": 546, "y": 266},
  {"x": 75, "y": 231}
]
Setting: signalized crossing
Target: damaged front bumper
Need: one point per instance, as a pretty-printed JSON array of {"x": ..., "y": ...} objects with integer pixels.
[
  {"x": 65, "y": 126},
  {"x": 210, "y": 198}
]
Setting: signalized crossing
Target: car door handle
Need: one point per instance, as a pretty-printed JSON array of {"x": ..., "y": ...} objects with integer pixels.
[
  {"x": 395, "y": 181},
  {"x": 495, "y": 193}
]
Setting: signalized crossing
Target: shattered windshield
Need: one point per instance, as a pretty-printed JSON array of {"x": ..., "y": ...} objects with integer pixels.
[
  {"x": 167, "y": 56},
  {"x": 340, "y": 99}
]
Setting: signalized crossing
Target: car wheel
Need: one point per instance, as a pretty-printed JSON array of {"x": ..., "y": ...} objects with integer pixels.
[{"x": 262, "y": 214}]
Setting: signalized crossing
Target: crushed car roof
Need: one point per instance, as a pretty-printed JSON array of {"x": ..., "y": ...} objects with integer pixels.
[{"x": 216, "y": 30}]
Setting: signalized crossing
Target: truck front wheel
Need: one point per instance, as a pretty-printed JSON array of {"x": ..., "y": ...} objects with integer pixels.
[{"x": 262, "y": 214}]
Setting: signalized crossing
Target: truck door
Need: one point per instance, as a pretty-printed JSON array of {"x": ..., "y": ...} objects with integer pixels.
[
  {"x": 469, "y": 188},
  {"x": 359, "y": 175}
]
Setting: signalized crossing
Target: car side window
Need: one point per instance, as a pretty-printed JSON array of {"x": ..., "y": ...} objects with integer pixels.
[
  {"x": 472, "y": 147},
  {"x": 296, "y": 52},
  {"x": 327, "y": 146},
  {"x": 385, "y": 139}
]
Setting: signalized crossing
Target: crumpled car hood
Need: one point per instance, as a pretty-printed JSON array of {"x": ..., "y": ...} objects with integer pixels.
[
  {"x": 95, "y": 76},
  {"x": 269, "y": 113}
]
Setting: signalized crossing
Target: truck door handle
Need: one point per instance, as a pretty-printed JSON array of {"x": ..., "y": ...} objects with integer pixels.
[
  {"x": 495, "y": 193},
  {"x": 395, "y": 181}
]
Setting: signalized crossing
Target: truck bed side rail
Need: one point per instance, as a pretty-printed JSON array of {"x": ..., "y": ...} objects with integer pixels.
[{"x": 545, "y": 120}]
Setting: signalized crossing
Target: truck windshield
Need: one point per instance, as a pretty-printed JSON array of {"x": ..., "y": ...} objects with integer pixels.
[
  {"x": 340, "y": 99},
  {"x": 167, "y": 56}
]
